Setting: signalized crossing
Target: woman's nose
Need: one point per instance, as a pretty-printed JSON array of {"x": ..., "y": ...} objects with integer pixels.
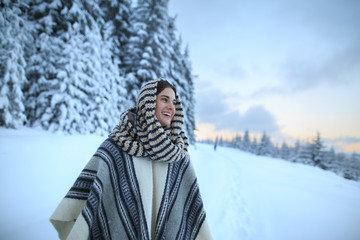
[{"x": 171, "y": 106}]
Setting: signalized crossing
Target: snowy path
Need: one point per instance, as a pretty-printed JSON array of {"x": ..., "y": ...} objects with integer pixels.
[
  {"x": 258, "y": 198},
  {"x": 224, "y": 192},
  {"x": 246, "y": 197}
]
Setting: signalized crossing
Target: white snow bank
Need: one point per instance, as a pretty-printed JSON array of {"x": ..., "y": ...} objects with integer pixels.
[{"x": 245, "y": 196}]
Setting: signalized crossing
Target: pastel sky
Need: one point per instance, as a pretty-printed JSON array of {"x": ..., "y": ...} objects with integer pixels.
[{"x": 289, "y": 68}]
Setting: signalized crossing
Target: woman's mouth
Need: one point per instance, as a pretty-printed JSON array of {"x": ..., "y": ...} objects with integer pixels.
[{"x": 167, "y": 114}]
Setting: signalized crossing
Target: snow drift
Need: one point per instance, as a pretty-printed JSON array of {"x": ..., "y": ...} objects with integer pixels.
[{"x": 245, "y": 196}]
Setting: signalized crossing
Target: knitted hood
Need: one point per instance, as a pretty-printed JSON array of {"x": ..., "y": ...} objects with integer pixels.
[{"x": 141, "y": 134}]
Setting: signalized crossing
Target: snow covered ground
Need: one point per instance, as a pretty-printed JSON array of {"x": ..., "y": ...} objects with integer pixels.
[{"x": 245, "y": 196}]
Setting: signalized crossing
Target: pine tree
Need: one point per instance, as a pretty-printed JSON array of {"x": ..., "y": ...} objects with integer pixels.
[
  {"x": 57, "y": 91},
  {"x": 246, "y": 144},
  {"x": 254, "y": 146},
  {"x": 317, "y": 150},
  {"x": 295, "y": 152},
  {"x": 342, "y": 169},
  {"x": 284, "y": 151},
  {"x": 146, "y": 57},
  {"x": 275, "y": 151},
  {"x": 305, "y": 154},
  {"x": 311, "y": 153},
  {"x": 116, "y": 31},
  {"x": 82, "y": 56},
  {"x": 329, "y": 160},
  {"x": 221, "y": 142},
  {"x": 180, "y": 74},
  {"x": 46, "y": 60},
  {"x": 153, "y": 52},
  {"x": 117, "y": 28},
  {"x": 102, "y": 66},
  {"x": 13, "y": 36},
  {"x": 355, "y": 162},
  {"x": 75, "y": 81},
  {"x": 265, "y": 146},
  {"x": 237, "y": 141}
]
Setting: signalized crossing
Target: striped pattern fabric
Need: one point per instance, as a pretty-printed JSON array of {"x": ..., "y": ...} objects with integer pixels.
[
  {"x": 108, "y": 200},
  {"x": 144, "y": 136},
  {"x": 139, "y": 184}
]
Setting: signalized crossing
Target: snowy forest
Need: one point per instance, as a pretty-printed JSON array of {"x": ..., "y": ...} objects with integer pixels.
[
  {"x": 75, "y": 65},
  {"x": 314, "y": 153}
]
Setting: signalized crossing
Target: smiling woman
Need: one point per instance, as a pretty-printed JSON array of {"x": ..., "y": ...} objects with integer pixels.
[
  {"x": 165, "y": 103},
  {"x": 140, "y": 183}
]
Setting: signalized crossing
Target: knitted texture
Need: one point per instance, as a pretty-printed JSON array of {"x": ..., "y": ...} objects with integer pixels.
[{"x": 145, "y": 137}]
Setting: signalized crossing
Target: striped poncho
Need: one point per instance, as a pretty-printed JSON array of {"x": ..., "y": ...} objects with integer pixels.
[{"x": 128, "y": 192}]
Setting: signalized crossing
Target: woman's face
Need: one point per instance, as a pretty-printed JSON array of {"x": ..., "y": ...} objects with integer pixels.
[{"x": 165, "y": 106}]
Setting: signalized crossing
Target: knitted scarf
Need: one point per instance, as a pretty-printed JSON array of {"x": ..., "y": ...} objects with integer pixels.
[{"x": 140, "y": 133}]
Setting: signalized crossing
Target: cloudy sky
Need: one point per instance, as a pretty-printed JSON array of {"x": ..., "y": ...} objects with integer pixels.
[{"x": 289, "y": 68}]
